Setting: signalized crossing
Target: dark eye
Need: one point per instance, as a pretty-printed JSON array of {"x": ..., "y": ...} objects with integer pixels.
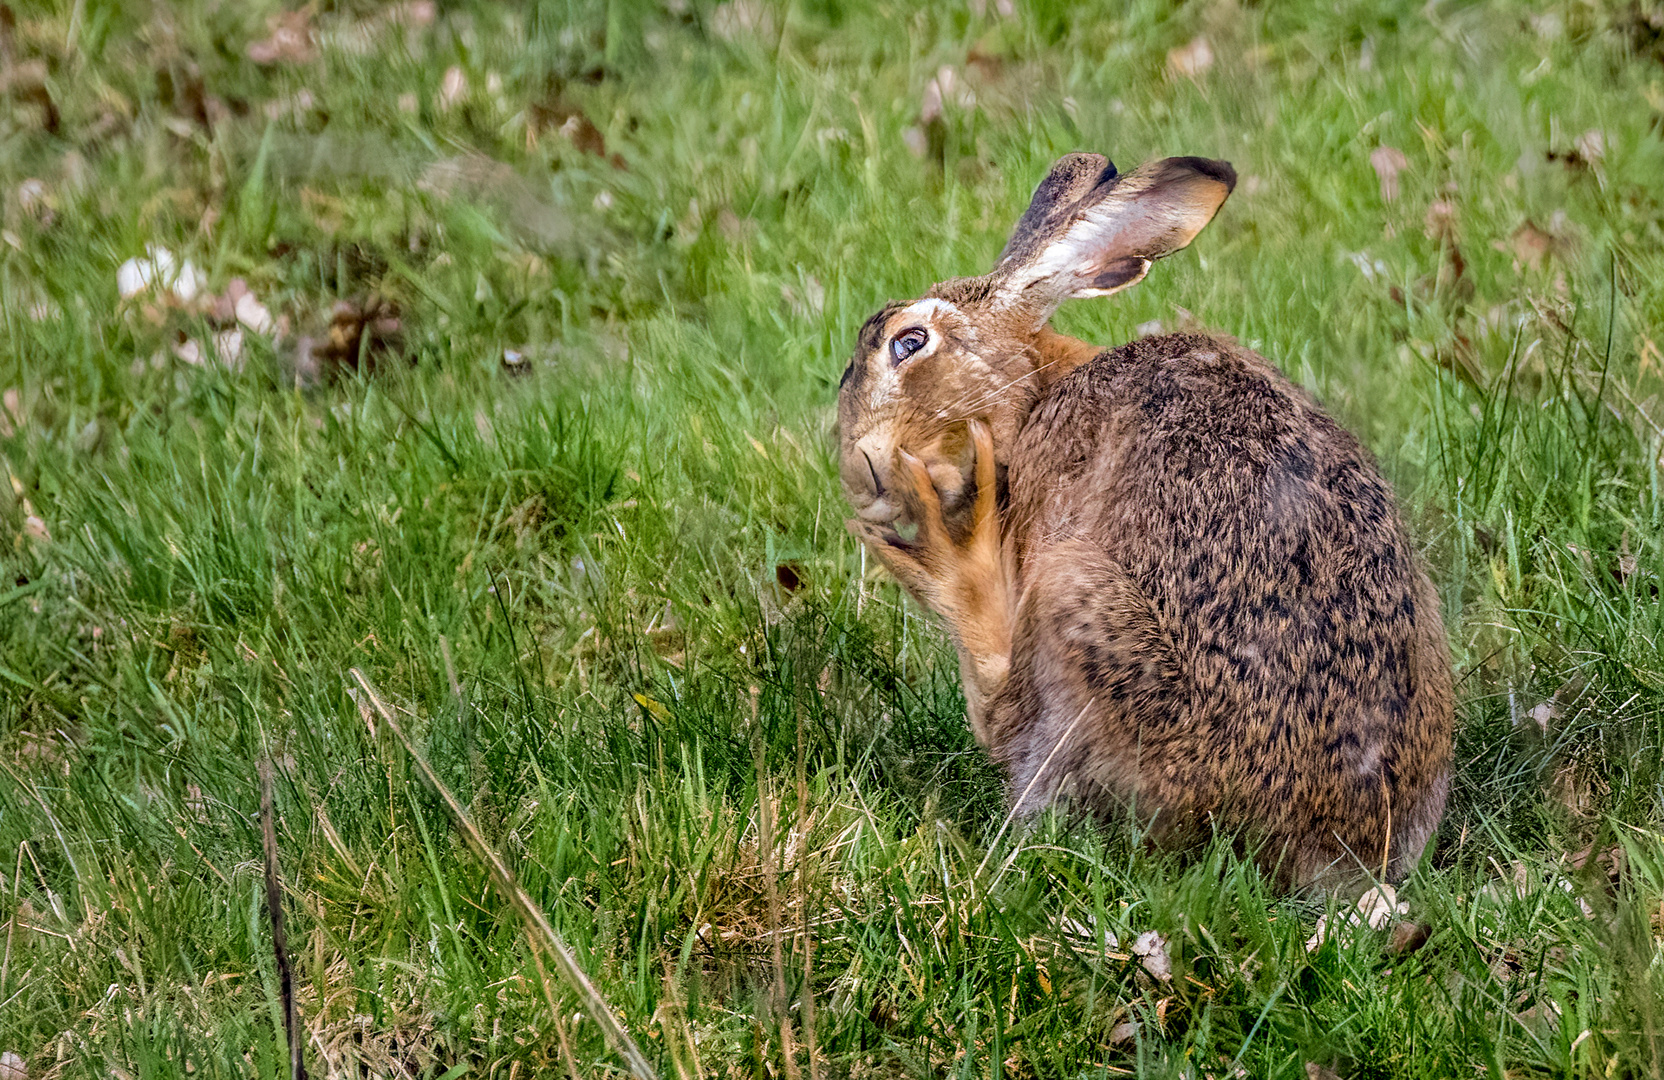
[{"x": 907, "y": 343}]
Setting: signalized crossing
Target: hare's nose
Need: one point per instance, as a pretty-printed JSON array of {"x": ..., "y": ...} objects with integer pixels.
[
  {"x": 877, "y": 484},
  {"x": 877, "y": 451}
]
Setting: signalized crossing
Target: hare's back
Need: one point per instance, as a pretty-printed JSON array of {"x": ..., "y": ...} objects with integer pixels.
[{"x": 1268, "y": 545}]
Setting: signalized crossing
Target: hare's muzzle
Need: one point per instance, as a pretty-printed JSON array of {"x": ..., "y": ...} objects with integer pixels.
[{"x": 867, "y": 469}]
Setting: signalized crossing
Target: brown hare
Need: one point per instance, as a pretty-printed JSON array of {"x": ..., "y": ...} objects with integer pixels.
[{"x": 1176, "y": 586}]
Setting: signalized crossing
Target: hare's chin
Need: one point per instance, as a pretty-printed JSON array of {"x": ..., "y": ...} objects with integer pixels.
[{"x": 879, "y": 510}]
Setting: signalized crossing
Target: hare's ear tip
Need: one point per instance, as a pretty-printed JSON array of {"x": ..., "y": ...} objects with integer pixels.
[
  {"x": 1084, "y": 163},
  {"x": 1212, "y": 168}
]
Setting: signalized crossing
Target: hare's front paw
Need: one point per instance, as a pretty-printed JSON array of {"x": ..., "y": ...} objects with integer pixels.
[{"x": 950, "y": 577}]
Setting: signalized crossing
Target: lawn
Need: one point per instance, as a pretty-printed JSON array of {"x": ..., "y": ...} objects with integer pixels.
[{"x": 490, "y": 351}]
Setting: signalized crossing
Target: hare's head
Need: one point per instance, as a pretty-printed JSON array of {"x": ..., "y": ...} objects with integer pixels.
[{"x": 979, "y": 348}]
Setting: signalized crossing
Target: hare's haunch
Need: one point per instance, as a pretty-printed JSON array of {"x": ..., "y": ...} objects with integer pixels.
[{"x": 1177, "y": 587}]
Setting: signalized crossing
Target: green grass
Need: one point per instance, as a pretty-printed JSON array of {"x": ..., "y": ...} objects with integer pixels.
[{"x": 615, "y": 599}]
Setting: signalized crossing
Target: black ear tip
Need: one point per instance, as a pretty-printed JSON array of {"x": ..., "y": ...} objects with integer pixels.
[{"x": 1212, "y": 169}]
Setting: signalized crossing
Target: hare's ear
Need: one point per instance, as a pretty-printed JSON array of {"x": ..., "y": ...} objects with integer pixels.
[{"x": 1091, "y": 233}]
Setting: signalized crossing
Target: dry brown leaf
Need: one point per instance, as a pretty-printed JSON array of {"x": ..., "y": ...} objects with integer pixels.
[
  {"x": 1531, "y": 246},
  {"x": 1587, "y": 152},
  {"x": 1314, "y": 1071},
  {"x": 1192, "y": 59},
  {"x": 24, "y": 80},
  {"x": 12, "y": 1067},
  {"x": 559, "y": 115},
  {"x": 1440, "y": 221},
  {"x": 1388, "y": 162},
  {"x": 1408, "y": 936}
]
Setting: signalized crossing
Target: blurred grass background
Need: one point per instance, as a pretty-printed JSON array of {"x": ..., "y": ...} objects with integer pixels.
[{"x": 539, "y": 437}]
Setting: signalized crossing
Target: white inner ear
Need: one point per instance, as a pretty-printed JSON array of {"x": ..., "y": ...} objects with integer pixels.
[{"x": 1081, "y": 294}]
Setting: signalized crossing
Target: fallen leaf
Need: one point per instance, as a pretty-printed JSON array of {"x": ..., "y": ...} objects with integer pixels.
[
  {"x": 251, "y": 313},
  {"x": 189, "y": 350},
  {"x": 581, "y": 131},
  {"x": 32, "y": 199},
  {"x": 11, "y": 412},
  {"x": 1151, "y": 950},
  {"x": 363, "y": 332},
  {"x": 1125, "y": 1031},
  {"x": 35, "y": 529},
  {"x": 1192, "y": 59},
  {"x": 288, "y": 39},
  {"x": 1530, "y": 246},
  {"x": 1379, "y": 905},
  {"x": 930, "y": 105},
  {"x": 1388, "y": 162},
  {"x": 656, "y": 709},
  {"x": 1440, "y": 221},
  {"x": 12, "y": 1067},
  {"x": 26, "y": 80},
  {"x": 181, "y": 282},
  {"x": 1314, "y": 1071},
  {"x": 453, "y": 87},
  {"x": 1587, "y": 152},
  {"x": 1591, "y": 145},
  {"x": 228, "y": 346},
  {"x": 1375, "y": 909},
  {"x": 561, "y": 116},
  {"x": 1408, "y": 936}
]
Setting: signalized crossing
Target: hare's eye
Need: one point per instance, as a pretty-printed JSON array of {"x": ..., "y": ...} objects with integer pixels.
[{"x": 907, "y": 343}]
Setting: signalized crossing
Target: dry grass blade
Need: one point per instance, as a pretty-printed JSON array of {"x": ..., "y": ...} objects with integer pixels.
[
  {"x": 542, "y": 935},
  {"x": 765, "y": 840},
  {"x": 280, "y": 937}
]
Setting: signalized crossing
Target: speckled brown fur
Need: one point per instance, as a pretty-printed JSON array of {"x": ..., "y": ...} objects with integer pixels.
[
  {"x": 1193, "y": 598},
  {"x": 1215, "y": 572}
]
